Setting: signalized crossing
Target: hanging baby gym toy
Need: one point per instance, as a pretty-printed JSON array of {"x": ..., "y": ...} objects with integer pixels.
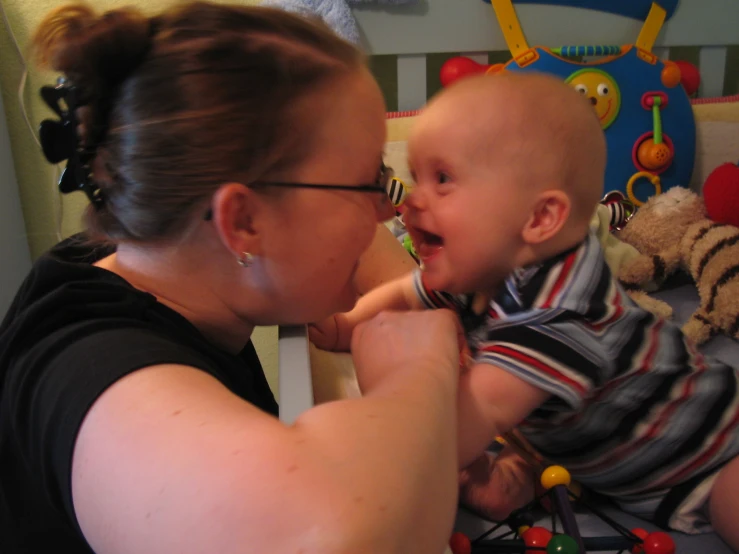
[{"x": 644, "y": 111}]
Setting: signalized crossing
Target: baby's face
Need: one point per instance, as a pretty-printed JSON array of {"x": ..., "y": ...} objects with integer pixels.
[{"x": 468, "y": 206}]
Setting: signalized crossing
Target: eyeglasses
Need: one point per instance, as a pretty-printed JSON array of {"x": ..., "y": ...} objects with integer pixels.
[{"x": 386, "y": 188}]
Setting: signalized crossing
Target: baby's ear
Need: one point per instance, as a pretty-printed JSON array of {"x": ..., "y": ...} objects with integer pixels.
[{"x": 548, "y": 216}]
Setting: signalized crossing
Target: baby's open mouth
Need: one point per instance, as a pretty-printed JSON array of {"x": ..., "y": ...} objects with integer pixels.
[{"x": 425, "y": 243}]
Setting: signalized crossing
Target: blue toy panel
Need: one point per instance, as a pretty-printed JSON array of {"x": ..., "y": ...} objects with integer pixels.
[
  {"x": 636, "y": 9},
  {"x": 633, "y": 77}
]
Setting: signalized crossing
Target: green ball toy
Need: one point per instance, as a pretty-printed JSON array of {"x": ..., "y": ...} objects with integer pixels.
[{"x": 562, "y": 544}]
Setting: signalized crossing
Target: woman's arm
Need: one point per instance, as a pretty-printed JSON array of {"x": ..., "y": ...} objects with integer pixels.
[
  {"x": 492, "y": 401},
  {"x": 168, "y": 460}
]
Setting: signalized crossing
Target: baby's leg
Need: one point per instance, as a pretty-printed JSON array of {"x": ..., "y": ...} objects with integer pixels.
[
  {"x": 724, "y": 504},
  {"x": 494, "y": 486}
]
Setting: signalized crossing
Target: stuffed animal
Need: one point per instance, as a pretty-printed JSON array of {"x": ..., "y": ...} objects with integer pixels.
[
  {"x": 618, "y": 253},
  {"x": 672, "y": 231}
]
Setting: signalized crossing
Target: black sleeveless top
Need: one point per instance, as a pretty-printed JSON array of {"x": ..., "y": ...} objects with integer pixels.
[{"x": 72, "y": 331}]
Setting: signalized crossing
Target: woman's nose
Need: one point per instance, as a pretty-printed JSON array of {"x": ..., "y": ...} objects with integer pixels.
[{"x": 384, "y": 208}]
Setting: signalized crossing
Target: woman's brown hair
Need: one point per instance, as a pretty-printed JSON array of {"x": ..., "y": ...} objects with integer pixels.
[{"x": 180, "y": 103}]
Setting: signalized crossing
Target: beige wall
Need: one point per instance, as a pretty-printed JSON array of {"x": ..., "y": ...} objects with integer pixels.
[{"x": 36, "y": 178}]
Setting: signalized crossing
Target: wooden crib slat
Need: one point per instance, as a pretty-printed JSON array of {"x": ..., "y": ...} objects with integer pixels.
[
  {"x": 295, "y": 384},
  {"x": 411, "y": 81},
  {"x": 479, "y": 57},
  {"x": 712, "y": 64},
  {"x": 662, "y": 52}
]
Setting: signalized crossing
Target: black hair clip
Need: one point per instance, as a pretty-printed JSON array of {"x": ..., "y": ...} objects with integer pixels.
[{"x": 59, "y": 141}]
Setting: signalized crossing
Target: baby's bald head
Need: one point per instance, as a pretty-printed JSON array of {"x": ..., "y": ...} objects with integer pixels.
[{"x": 535, "y": 123}]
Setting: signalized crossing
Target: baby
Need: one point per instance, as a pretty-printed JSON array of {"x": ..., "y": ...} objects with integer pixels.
[{"x": 509, "y": 170}]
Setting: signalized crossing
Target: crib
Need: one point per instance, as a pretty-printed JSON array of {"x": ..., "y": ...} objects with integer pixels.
[{"x": 408, "y": 46}]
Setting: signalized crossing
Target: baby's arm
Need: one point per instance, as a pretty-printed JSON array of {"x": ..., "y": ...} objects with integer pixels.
[
  {"x": 519, "y": 366},
  {"x": 335, "y": 333},
  {"x": 492, "y": 401}
]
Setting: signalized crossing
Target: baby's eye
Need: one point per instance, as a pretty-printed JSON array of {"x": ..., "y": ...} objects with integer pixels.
[{"x": 442, "y": 178}]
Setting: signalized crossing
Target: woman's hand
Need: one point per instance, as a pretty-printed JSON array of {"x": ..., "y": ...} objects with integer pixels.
[{"x": 424, "y": 341}]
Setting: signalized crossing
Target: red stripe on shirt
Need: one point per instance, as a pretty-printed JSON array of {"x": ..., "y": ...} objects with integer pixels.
[
  {"x": 563, "y": 275},
  {"x": 538, "y": 364},
  {"x": 626, "y": 449},
  {"x": 434, "y": 297},
  {"x": 708, "y": 454},
  {"x": 714, "y": 447}
]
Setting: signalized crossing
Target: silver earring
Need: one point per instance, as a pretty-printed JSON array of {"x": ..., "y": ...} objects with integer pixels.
[{"x": 246, "y": 259}]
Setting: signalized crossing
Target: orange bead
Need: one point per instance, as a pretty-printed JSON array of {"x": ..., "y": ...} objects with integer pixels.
[
  {"x": 671, "y": 75},
  {"x": 654, "y": 156}
]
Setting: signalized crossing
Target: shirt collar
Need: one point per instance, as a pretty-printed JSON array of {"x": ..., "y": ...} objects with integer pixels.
[{"x": 552, "y": 283}]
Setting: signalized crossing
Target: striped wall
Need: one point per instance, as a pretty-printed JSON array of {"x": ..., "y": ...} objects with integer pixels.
[{"x": 408, "y": 80}]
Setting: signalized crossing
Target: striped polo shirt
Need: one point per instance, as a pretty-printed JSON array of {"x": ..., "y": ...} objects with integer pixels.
[{"x": 635, "y": 412}]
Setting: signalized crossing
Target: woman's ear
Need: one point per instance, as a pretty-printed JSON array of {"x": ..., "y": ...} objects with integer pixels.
[
  {"x": 550, "y": 212},
  {"x": 235, "y": 210}
]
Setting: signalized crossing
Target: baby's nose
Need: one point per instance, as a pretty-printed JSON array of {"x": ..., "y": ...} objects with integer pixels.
[{"x": 414, "y": 200}]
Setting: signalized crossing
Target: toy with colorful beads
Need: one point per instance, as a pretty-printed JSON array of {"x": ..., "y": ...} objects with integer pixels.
[
  {"x": 519, "y": 535},
  {"x": 641, "y": 101},
  {"x": 556, "y": 479}
]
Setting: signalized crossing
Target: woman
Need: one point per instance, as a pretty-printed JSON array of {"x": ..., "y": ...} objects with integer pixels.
[{"x": 135, "y": 416}]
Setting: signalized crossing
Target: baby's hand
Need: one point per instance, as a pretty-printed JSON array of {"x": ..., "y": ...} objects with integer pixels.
[
  {"x": 331, "y": 333},
  {"x": 495, "y": 486}
]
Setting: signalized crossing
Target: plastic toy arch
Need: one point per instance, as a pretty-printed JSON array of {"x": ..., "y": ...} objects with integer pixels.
[{"x": 525, "y": 538}]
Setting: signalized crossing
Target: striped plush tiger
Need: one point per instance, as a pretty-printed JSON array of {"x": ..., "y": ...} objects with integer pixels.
[{"x": 672, "y": 231}]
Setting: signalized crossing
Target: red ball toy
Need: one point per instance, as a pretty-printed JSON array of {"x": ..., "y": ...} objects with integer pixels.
[
  {"x": 721, "y": 194},
  {"x": 659, "y": 543},
  {"x": 460, "y": 544},
  {"x": 538, "y": 537},
  {"x": 458, "y": 67},
  {"x": 690, "y": 76},
  {"x": 642, "y": 534}
]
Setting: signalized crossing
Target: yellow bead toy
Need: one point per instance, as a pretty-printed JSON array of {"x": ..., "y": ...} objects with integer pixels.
[{"x": 555, "y": 475}]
